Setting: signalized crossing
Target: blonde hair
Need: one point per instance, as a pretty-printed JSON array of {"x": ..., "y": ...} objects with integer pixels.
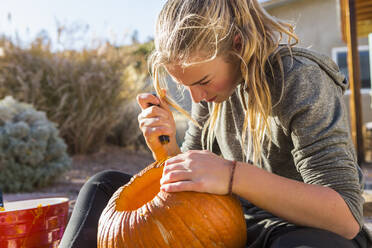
[{"x": 208, "y": 28}]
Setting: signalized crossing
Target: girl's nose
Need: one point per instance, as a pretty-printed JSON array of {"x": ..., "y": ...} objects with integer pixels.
[{"x": 197, "y": 95}]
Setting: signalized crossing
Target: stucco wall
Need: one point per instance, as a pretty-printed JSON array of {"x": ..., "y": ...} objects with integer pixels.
[
  {"x": 318, "y": 27},
  {"x": 317, "y": 23}
]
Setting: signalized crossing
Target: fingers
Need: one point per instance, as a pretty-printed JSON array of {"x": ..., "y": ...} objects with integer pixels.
[
  {"x": 152, "y": 122},
  {"x": 175, "y": 175},
  {"x": 145, "y": 99},
  {"x": 200, "y": 171},
  {"x": 159, "y": 110},
  {"x": 173, "y": 160},
  {"x": 182, "y": 186},
  {"x": 154, "y": 111},
  {"x": 176, "y": 166},
  {"x": 156, "y": 121}
]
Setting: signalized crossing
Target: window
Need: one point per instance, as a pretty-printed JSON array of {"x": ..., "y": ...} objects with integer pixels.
[{"x": 339, "y": 55}]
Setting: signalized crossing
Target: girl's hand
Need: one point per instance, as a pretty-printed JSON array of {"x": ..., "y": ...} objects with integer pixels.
[
  {"x": 200, "y": 171},
  {"x": 157, "y": 120}
]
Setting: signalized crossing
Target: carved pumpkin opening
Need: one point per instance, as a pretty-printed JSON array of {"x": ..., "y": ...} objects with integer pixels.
[{"x": 140, "y": 190}]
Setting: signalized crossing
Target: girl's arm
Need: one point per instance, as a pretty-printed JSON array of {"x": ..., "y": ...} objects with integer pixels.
[{"x": 297, "y": 202}]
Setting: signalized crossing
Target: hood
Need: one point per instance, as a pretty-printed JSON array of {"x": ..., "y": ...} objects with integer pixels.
[{"x": 324, "y": 62}]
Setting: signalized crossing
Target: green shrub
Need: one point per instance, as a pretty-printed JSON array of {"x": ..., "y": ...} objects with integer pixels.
[{"x": 31, "y": 152}]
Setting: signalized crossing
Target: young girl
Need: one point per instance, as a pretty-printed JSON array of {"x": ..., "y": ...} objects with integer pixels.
[
  {"x": 275, "y": 109},
  {"x": 268, "y": 124}
]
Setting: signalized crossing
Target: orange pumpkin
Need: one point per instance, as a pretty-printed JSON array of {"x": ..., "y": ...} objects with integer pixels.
[{"x": 140, "y": 215}]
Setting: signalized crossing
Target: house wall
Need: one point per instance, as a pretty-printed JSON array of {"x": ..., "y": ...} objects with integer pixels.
[
  {"x": 318, "y": 26},
  {"x": 317, "y": 23}
]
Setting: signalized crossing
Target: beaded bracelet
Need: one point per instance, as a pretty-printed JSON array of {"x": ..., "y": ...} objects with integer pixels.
[{"x": 232, "y": 177}]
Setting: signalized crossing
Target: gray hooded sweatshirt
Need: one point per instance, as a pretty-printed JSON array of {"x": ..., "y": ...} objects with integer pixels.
[{"x": 311, "y": 139}]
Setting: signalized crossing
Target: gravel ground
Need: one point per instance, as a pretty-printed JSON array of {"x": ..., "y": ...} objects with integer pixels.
[{"x": 85, "y": 166}]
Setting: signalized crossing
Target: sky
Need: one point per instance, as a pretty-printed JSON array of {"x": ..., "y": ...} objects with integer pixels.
[
  {"x": 87, "y": 22},
  {"x": 93, "y": 20}
]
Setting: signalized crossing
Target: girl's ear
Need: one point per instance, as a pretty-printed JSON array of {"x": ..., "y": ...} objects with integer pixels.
[{"x": 237, "y": 45}]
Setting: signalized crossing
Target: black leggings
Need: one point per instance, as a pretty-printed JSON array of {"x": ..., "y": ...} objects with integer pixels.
[{"x": 81, "y": 230}]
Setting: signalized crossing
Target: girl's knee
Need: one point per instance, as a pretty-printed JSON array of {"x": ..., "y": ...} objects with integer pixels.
[
  {"x": 106, "y": 182},
  {"x": 103, "y": 176},
  {"x": 110, "y": 176}
]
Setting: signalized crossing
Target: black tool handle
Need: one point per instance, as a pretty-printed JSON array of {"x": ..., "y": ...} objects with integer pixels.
[
  {"x": 1, "y": 199},
  {"x": 164, "y": 139}
]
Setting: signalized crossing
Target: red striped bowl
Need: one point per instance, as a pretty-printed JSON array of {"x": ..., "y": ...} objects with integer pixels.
[{"x": 37, "y": 223}]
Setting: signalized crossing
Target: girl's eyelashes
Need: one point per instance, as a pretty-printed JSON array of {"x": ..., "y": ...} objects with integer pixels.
[{"x": 204, "y": 83}]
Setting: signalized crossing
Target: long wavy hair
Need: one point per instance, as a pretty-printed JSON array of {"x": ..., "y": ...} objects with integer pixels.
[{"x": 196, "y": 31}]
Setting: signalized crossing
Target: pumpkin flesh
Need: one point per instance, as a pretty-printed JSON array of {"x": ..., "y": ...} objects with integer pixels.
[{"x": 142, "y": 190}]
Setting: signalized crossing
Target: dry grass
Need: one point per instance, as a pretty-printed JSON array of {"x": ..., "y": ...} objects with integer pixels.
[{"x": 87, "y": 93}]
